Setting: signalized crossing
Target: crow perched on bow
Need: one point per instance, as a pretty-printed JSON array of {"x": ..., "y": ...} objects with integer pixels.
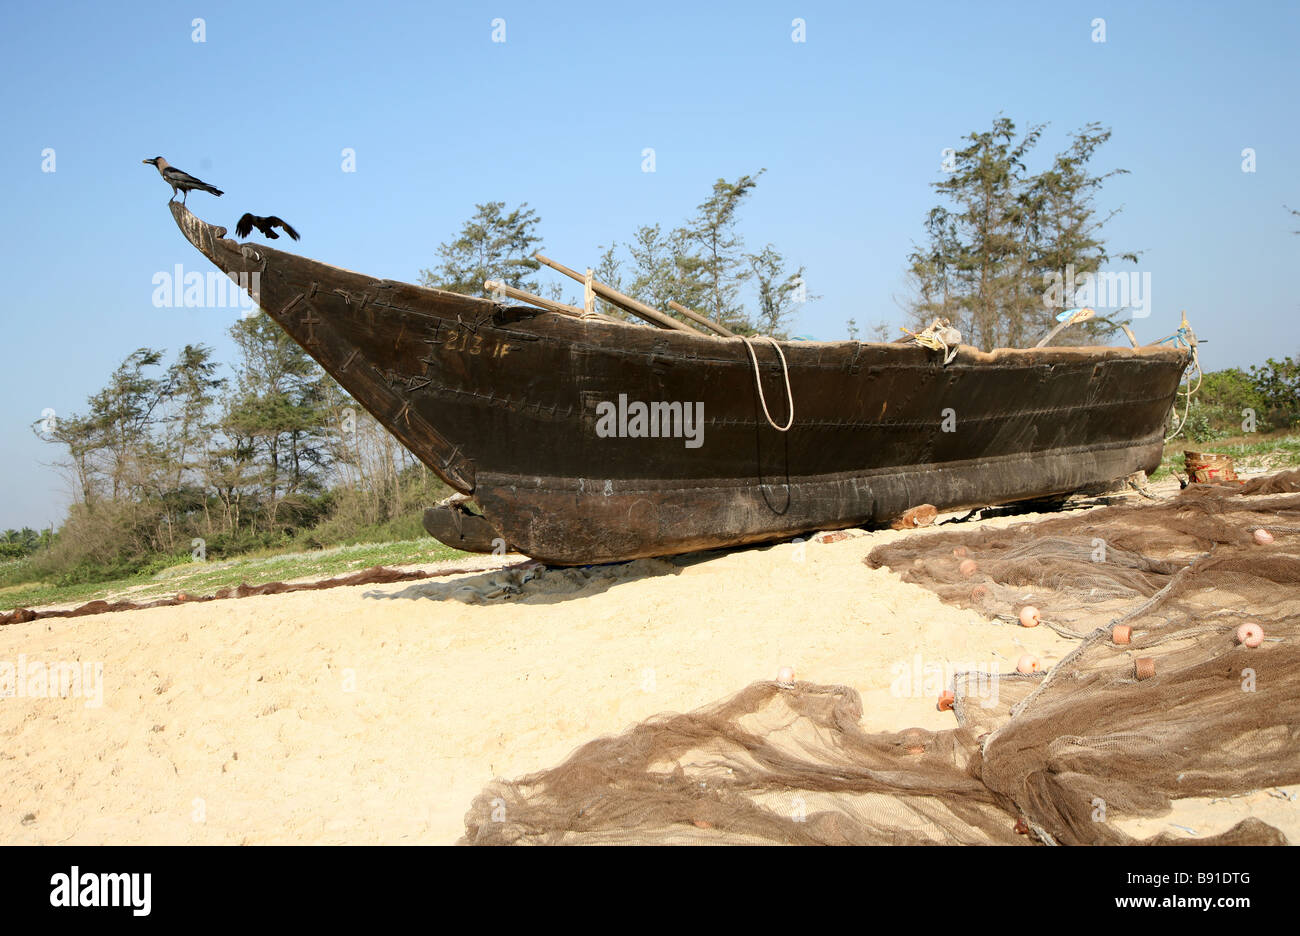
[
  {"x": 265, "y": 225},
  {"x": 180, "y": 181}
]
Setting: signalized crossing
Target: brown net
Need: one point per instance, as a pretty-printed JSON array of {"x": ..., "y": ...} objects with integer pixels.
[
  {"x": 1114, "y": 730},
  {"x": 375, "y": 575}
]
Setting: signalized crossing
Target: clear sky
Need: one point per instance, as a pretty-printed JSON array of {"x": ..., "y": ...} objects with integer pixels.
[{"x": 850, "y": 125}]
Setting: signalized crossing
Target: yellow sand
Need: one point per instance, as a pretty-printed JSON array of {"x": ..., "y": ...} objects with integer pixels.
[{"x": 377, "y": 713}]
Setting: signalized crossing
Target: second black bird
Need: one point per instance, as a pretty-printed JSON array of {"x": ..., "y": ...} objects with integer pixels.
[{"x": 266, "y": 225}]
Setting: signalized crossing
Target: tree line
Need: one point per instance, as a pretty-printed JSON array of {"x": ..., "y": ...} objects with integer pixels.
[
  {"x": 173, "y": 453},
  {"x": 702, "y": 263},
  {"x": 15, "y": 544},
  {"x": 999, "y": 237},
  {"x": 1003, "y": 234},
  {"x": 270, "y": 450},
  {"x": 1232, "y": 402}
]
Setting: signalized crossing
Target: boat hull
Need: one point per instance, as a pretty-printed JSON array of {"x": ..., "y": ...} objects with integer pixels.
[{"x": 586, "y": 441}]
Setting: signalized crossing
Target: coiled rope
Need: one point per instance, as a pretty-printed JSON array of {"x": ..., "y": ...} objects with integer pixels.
[
  {"x": 937, "y": 336},
  {"x": 785, "y": 371}
]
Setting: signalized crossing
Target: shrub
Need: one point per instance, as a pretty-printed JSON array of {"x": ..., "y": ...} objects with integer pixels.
[{"x": 1278, "y": 385}]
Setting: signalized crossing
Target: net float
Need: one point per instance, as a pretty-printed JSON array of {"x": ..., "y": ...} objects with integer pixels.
[
  {"x": 1144, "y": 667},
  {"x": 785, "y": 676},
  {"x": 1029, "y": 664},
  {"x": 1250, "y": 635},
  {"x": 1022, "y": 828},
  {"x": 959, "y": 552},
  {"x": 1029, "y": 616},
  {"x": 979, "y": 592},
  {"x": 914, "y": 742},
  {"x": 1121, "y": 634},
  {"x": 1263, "y": 537},
  {"x": 182, "y": 596},
  {"x": 967, "y": 567},
  {"x": 947, "y": 700}
]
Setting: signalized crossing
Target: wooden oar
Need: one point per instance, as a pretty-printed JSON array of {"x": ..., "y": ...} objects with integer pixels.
[
  {"x": 1080, "y": 315},
  {"x": 549, "y": 305},
  {"x": 707, "y": 323},
  {"x": 614, "y": 297}
]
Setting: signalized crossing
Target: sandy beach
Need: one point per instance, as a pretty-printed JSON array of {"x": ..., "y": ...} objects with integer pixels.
[{"x": 375, "y": 714}]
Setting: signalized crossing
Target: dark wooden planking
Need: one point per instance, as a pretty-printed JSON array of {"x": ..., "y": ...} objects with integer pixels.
[{"x": 500, "y": 401}]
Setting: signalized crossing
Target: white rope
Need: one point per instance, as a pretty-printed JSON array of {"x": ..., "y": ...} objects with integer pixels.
[
  {"x": 785, "y": 370},
  {"x": 932, "y": 337},
  {"x": 1194, "y": 366}
]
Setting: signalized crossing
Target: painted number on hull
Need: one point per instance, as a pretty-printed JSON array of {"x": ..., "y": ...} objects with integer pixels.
[{"x": 469, "y": 343}]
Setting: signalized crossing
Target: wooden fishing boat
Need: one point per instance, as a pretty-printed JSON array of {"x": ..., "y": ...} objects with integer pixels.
[{"x": 582, "y": 439}]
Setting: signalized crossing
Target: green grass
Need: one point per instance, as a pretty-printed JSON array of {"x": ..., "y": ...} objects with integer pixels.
[
  {"x": 1275, "y": 452},
  {"x": 204, "y": 578}
]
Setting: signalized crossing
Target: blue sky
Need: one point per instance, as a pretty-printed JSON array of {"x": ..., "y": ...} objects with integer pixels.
[{"x": 849, "y": 124}]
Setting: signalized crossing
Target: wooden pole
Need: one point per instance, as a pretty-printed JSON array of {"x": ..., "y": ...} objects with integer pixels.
[
  {"x": 549, "y": 305},
  {"x": 1080, "y": 315},
  {"x": 707, "y": 323},
  {"x": 1060, "y": 326},
  {"x": 589, "y": 294},
  {"x": 613, "y": 296}
]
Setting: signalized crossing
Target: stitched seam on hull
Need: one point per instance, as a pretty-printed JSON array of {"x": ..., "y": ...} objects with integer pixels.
[
  {"x": 430, "y": 390},
  {"x": 864, "y": 370},
  {"x": 495, "y": 479},
  {"x": 577, "y": 341},
  {"x": 551, "y": 409}
]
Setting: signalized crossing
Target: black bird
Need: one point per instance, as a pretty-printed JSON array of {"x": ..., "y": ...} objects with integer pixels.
[
  {"x": 265, "y": 225},
  {"x": 180, "y": 181}
]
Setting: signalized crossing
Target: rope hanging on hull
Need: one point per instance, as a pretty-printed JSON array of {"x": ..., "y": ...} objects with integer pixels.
[
  {"x": 785, "y": 371},
  {"x": 1185, "y": 338}
]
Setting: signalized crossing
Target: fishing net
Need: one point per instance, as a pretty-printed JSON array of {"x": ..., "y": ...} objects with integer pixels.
[
  {"x": 1053, "y": 757},
  {"x": 375, "y": 575}
]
